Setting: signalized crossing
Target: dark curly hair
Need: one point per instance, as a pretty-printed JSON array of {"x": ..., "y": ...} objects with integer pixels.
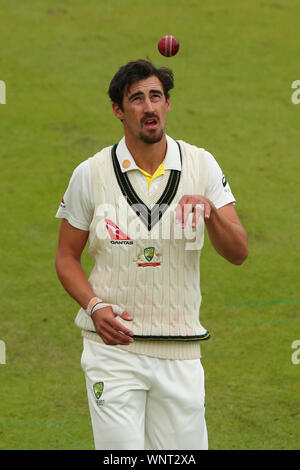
[{"x": 135, "y": 71}]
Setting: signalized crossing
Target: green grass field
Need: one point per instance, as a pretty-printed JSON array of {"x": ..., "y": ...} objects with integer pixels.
[{"x": 233, "y": 76}]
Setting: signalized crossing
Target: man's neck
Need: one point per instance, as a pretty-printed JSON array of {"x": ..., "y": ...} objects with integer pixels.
[{"x": 148, "y": 157}]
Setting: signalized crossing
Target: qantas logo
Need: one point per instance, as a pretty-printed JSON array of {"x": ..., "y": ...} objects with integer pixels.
[{"x": 117, "y": 236}]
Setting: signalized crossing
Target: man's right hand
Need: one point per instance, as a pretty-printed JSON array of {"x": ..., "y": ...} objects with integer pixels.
[{"x": 111, "y": 331}]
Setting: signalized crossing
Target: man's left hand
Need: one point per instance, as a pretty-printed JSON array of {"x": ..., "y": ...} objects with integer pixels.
[{"x": 197, "y": 205}]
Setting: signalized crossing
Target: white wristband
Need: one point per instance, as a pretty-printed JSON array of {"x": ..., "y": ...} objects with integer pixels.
[
  {"x": 115, "y": 308},
  {"x": 93, "y": 305}
]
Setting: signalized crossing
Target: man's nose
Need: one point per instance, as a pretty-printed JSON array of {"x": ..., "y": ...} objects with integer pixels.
[{"x": 148, "y": 105}]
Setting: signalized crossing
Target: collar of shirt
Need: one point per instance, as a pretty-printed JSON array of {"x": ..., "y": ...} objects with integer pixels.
[{"x": 171, "y": 161}]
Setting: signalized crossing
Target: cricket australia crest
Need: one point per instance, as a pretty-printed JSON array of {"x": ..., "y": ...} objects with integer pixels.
[
  {"x": 98, "y": 390},
  {"x": 148, "y": 256},
  {"x": 149, "y": 253}
]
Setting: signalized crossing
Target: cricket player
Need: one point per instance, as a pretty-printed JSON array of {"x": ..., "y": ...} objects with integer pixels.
[{"x": 142, "y": 205}]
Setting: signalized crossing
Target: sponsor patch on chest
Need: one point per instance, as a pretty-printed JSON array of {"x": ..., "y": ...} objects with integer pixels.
[
  {"x": 148, "y": 257},
  {"x": 116, "y": 235}
]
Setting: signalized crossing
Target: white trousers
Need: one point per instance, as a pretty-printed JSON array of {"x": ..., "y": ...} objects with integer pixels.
[{"x": 140, "y": 402}]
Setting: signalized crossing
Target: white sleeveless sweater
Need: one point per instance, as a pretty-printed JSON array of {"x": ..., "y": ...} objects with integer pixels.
[{"x": 150, "y": 266}]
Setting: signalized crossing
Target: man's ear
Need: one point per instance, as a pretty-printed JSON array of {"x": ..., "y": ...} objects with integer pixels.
[
  {"x": 169, "y": 104},
  {"x": 117, "y": 111}
]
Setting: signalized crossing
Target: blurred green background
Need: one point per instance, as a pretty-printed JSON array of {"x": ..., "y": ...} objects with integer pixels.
[{"x": 232, "y": 96}]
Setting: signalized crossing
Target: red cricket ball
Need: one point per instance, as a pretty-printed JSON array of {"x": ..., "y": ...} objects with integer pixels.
[{"x": 168, "y": 46}]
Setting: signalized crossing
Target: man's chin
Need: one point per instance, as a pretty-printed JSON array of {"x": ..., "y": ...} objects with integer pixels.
[{"x": 151, "y": 139}]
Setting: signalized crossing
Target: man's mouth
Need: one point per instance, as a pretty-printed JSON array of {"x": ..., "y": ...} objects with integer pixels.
[{"x": 150, "y": 123}]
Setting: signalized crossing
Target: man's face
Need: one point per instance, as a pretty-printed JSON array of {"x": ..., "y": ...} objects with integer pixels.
[{"x": 145, "y": 109}]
